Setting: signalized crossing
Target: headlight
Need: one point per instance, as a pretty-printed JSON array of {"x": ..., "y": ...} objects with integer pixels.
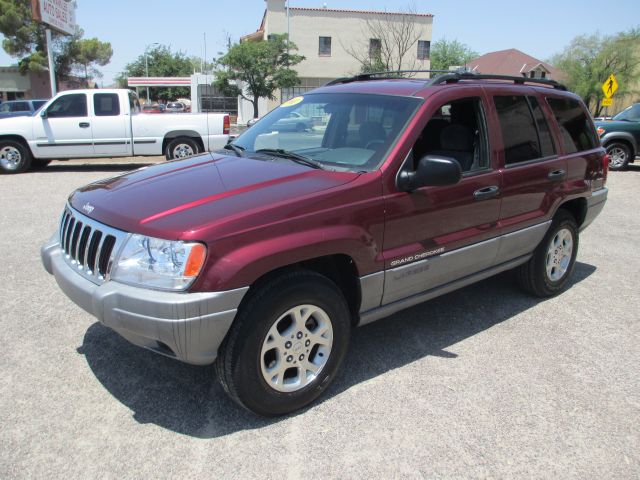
[
  {"x": 156, "y": 263},
  {"x": 600, "y": 131}
]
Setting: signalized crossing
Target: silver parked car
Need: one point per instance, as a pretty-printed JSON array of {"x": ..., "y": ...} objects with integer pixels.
[{"x": 176, "y": 107}]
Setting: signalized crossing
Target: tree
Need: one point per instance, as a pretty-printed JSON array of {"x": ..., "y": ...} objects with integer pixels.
[
  {"x": 162, "y": 62},
  {"x": 25, "y": 39},
  {"x": 76, "y": 55},
  {"x": 261, "y": 67},
  {"x": 396, "y": 36},
  {"x": 445, "y": 54},
  {"x": 92, "y": 52},
  {"x": 589, "y": 60}
]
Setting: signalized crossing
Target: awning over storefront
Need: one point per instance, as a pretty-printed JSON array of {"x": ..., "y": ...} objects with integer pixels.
[{"x": 159, "y": 81}]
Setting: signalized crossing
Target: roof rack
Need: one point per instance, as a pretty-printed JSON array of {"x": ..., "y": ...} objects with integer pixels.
[
  {"x": 446, "y": 76},
  {"x": 455, "y": 77},
  {"x": 388, "y": 75}
]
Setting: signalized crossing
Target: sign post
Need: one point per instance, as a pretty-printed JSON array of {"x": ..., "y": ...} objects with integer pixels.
[
  {"x": 59, "y": 15},
  {"x": 52, "y": 66}
]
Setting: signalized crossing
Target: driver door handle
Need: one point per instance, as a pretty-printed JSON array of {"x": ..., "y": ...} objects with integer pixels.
[
  {"x": 84, "y": 124},
  {"x": 486, "y": 192}
]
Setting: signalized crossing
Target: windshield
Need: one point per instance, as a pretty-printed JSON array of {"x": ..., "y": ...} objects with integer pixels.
[
  {"x": 343, "y": 131},
  {"x": 631, "y": 114}
]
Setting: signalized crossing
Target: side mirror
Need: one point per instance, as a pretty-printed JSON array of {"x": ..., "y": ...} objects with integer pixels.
[
  {"x": 433, "y": 170},
  {"x": 43, "y": 113}
]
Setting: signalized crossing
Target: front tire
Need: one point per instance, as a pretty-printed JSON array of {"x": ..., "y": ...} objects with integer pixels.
[
  {"x": 619, "y": 156},
  {"x": 14, "y": 157},
  {"x": 181, "y": 147},
  {"x": 548, "y": 271},
  {"x": 286, "y": 344}
]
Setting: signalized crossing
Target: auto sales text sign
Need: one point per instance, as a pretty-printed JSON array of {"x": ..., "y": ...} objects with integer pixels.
[{"x": 58, "y": 14}]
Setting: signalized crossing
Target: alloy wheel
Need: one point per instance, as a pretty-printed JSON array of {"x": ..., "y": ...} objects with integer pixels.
[{"x": 296, "y": 348}]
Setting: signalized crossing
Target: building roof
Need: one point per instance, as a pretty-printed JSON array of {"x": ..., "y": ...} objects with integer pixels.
[
  {"x": 509, "y": 62},
  {"x": 375, "y": 12},
  {"x": 259, "y": 34}
]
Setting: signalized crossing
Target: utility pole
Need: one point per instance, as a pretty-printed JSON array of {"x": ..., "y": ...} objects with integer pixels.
[{"x": 146, "y": 68}]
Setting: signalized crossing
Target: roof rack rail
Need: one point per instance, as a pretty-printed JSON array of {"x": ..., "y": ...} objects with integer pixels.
[
  {"x": 388, "y": 75},
  {"x": 446, "y": 76},
  {"x": 454, "y": 77}
]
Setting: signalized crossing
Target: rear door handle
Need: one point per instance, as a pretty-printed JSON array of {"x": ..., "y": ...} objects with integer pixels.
[
  {"x": 557, "y": 175},
  {"x": 84, "y": 124},
  {"x": 486, "y": 192}
]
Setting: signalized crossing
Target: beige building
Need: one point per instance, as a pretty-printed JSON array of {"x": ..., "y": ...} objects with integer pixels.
[
  {"x": 330, "y": 40},
  {"x": 15, "y": 86}
]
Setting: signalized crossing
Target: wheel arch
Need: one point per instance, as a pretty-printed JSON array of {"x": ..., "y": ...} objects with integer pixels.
[
  {"x": 17, "y": 138},
  {"x": 191, "y": 134},
  {"x": 339, "y": 268},
  {"x": 577, "y": 207},
  {"x": 622, "y": 137}
]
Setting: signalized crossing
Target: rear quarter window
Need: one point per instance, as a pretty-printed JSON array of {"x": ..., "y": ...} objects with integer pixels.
[{"x": 576, "y": 131}]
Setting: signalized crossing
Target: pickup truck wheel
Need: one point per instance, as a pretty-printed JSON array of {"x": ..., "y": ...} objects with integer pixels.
[
  {"x": 14, "y": 157},
  {"x": 619, "y": 155},
  {"x": 181, "y": 147},
  {"x": 550, "y": 267},
  {"x": 286, "y": 344}
]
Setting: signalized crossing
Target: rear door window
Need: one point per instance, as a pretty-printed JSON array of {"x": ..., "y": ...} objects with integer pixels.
[
  {"x": 575, "y": 128},
  {"x": 519, "y": 131},
  {"x": 20, "y": 107},
  {"x": 106, "y": 104}
]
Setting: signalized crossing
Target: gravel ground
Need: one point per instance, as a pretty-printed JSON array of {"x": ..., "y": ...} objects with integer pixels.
[{"x": 483, "y": 382}]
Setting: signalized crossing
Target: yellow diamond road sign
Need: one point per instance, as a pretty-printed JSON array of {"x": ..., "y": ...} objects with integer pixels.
[{"x": 610, "y": 86}]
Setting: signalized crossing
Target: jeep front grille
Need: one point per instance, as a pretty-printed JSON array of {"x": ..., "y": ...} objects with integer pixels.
[{"x": 89, "y": 246}]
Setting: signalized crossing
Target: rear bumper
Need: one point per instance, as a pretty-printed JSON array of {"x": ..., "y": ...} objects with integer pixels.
[
  {"x": 595, "y": 204},
  {"x": 186, "y": 326}
]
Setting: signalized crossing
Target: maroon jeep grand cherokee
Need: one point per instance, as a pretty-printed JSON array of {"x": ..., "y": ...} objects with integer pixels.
[{"x": 265, "y": 255}]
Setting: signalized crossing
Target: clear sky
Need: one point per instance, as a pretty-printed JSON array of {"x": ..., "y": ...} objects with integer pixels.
[{"x": 539, "y": 28}]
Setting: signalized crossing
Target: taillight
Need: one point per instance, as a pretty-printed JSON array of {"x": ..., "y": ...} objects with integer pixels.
[
  {"x": 226, "y": 125},
  {"x": 605, "y": 167}
]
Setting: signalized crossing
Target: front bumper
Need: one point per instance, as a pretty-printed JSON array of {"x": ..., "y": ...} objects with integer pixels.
[
  {"x": 595, "y": 204},
  {"x": 186, "y": 326}
]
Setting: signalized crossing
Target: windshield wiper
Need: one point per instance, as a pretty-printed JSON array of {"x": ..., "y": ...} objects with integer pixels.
[
  {"x": 235, "y": 148},
  {"x": 301, "y": 159}
]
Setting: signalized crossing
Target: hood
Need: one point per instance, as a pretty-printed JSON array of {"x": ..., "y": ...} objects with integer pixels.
[
  {"x": 15, "y": 114},
  {"x": 178, "y": 198},
  {"x": 10, "y": 122},
  {"x": 613, "y": 124}
]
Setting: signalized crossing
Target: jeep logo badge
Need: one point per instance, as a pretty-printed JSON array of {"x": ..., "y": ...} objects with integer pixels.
[{"x": 87, "y": 207}]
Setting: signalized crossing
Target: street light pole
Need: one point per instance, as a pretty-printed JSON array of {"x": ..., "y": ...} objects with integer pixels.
[{"x": 146, "y": 67}]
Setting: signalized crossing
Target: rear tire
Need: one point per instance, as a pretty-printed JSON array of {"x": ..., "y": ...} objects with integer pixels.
[
  {"x": 15, "y": 157},
  {"x": 272, "y": 364},
  {"x": 548, "y": 270},
  {"x": 619, "y": 156},
  {"x": 181, "y": 147}
]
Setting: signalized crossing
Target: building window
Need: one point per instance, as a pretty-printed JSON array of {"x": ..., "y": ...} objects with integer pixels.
[
  {"x": 543, "y": 74},
  {"x": 375, "y": 47},
  {"x": 424, "y": 49},
  {"x": 324, "y": 47}
]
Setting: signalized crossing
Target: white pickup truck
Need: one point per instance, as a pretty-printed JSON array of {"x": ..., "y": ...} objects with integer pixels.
[{"x": 104, "y": 123}]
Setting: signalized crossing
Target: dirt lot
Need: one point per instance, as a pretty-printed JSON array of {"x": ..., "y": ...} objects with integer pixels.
[{"x": 483, "y": 382}]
